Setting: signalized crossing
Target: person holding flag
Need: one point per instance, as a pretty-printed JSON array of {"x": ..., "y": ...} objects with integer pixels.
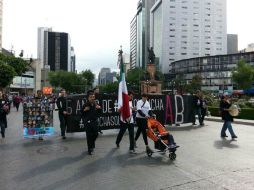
[{"x": 125, "y": 107}]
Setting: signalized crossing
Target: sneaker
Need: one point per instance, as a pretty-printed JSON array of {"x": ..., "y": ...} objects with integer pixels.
[
  {"x": 234, "y": 137},
  {"x": 223, "y": 136},
  {"x": 90, "y": 152},
  {"x": 133, "y": 152},
  {"x": 149, "y": 149},
  {"x": 135, "y": 144},
  {"x": 194, "y": 124}
]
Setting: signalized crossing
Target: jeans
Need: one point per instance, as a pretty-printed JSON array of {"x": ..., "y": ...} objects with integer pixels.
[
  {"x": 227, "y": 125},
  {"x": 123, "y": 128}
]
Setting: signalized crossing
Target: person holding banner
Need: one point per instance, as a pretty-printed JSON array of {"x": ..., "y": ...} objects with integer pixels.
[
  {"x": 124, "y": 124},
  {"x": 228, "y": 119},
  {"x": 143, "y": 113},
  {"x": 90, "y": 111},
  {"x": 62, "y": 111}
]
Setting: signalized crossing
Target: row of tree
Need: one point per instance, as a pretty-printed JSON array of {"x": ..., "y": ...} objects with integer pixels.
[
  {"x": 10, "y": 67},
  {"x": 72, "y": 82}
]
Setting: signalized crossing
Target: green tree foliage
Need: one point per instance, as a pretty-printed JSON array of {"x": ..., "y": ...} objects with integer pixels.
[
  {"x": 87, "y": 77},
  {"x": 133, "y": 79},
  {"x": 20, "y": 66},
  {"x": 7, "y": 73},
  {"x": 195, "y": 84},
  {"x": 111, "y": 88},
  {"x": 243, "y": 75},
  {"x": 180, "y": 84},
  {"x": 71, "y": 82}
]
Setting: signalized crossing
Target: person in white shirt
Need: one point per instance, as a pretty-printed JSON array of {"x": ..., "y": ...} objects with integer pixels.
[
  {"x": 127, "y": 124},
  {"x": 143, "y": 112}
]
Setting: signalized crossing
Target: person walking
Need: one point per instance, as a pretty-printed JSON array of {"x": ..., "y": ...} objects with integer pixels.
[
  {"x": 90, "y": 111},
  {"x": 3, "y": 111},
  {"x": 127, "y": 124},
  {"x": 197, "y": 104},
  {"x": 228, "y": 119},
  {"x": 203, "y": 108},
  {"x": 143, "y": 113},
  {"x": 17, "y": 101},
  {"x": 62, "y": 111},
  {"x": 6, "y": 108}
]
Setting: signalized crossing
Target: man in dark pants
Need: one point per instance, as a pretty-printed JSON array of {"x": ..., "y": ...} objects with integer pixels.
[
  {"x": 90, "y": 111},
  {"x": 197, "y": 103},
  {"x": 143, "y": 113},
  {"x": 61, "y": 104},
  {"x": 127, "y": 124}
]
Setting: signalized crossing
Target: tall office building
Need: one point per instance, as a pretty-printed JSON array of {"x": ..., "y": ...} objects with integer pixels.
[
  {"x": 1, "y": 23},
  {"x": 42, "y": 45},
  {"x": 232, "y": 43},
  {"x": 73, "y": 60},
  {"x": 140, "y": 34},
  {"x": 54, "y": 49},
  {"x": 187, "y": 28},
  {"x": 103, "y": 75}
]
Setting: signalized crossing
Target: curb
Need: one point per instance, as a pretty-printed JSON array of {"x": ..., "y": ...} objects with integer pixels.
[{"x": 251, "y": 122}]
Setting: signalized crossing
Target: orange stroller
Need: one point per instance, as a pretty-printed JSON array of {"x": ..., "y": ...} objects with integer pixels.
[{"x": 163, "y": 140}]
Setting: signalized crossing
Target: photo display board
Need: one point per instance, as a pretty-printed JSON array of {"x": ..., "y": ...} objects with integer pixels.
[{"x": 38, "y": 117}]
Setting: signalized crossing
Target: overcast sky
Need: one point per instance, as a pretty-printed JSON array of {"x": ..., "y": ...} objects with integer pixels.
[{"x": 97, "y": 27}]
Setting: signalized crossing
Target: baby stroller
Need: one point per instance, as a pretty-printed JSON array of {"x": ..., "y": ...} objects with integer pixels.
[{"x": 163, "y": 140}]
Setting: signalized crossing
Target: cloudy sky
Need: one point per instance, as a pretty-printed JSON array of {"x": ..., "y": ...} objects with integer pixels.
[{"x": 97, "y": 27}]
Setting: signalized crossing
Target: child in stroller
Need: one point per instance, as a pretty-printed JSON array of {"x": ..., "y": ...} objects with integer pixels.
[{"x": 163, "y": 140}]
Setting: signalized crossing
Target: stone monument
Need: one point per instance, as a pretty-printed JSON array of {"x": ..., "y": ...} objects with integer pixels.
[{"x": 150, "y": 83}]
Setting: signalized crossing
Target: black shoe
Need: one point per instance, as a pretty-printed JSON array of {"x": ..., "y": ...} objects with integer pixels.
[
  {"x": 223, "y": 136},
  {"x": 194, "y": 124},
  {"x": 3, "y": 135},
  {"x": 117, "y": 145},
  {"x": 63, "y": 137},
  {"x": 40, "y": 138},
  {"x": 90, "y": 152},
  {"x": 234, "y": 137}
]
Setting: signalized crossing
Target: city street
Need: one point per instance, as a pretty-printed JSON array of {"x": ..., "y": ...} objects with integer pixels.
[{"x": 204, "y": 161}]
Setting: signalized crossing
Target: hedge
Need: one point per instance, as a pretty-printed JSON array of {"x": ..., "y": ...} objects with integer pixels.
[{"x": 245, "y": 113}]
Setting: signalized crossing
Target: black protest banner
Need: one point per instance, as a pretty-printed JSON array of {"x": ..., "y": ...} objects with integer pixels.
[{"x": 173, "y": 109}]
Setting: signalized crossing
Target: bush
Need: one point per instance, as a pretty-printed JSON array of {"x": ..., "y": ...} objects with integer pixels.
[{"x": 246, "y": 113}]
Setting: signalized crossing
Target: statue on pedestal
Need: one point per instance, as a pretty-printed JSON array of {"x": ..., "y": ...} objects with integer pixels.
[{"x": 151, "y": 55}]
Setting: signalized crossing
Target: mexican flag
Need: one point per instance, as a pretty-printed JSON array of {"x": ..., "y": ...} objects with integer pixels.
[{"x": 123, "y": 98}]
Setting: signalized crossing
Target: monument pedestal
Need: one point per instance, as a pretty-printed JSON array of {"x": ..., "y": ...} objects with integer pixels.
[{"x": 151, "y": 85}]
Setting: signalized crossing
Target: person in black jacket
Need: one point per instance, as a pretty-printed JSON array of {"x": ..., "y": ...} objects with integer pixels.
[
  {"x": 90, "y": 111},
  {"x": 3, "y": 112},
  {"x": 62, "y": 107},
  {"x": 228, "y": 119},
  {"x": 197, "y": 104}
]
